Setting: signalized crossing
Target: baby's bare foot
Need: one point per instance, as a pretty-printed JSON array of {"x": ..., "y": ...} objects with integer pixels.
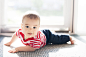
[
  {"x": 72, "y": 41},
  {"x": 8, "y": 44}
]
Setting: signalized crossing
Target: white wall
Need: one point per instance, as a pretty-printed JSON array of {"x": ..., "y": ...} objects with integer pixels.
[{"x": 80, "y": 17}]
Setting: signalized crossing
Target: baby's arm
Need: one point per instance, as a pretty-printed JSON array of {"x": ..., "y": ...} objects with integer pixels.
[
  {"x": 22, "y": 48},
  {"x": 14, "y": 37}
]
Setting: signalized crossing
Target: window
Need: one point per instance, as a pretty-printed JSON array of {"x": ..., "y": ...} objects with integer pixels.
[{"x": 54, "y": 14}]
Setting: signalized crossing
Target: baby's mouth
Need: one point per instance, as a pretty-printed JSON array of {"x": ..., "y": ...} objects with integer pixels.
[{"x": 30, "y": 33}]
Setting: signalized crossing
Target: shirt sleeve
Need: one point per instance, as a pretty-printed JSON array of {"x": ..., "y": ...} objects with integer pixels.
[{"x": 17, "y": 33}]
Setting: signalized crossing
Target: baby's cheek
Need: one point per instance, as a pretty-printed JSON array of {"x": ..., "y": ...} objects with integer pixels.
[
  {"x": 35, "y": 33},
  {"x": 24, "y": 32}
]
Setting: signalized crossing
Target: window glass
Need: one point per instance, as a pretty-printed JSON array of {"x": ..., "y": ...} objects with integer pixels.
[{"x": 50, "y": 11}]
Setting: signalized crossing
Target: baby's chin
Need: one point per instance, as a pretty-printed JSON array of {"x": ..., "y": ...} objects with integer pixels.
[{"x": 30, "y": 36}]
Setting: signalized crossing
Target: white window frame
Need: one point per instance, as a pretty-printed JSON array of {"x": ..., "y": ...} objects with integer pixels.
[{"x": 1, "y": 13}]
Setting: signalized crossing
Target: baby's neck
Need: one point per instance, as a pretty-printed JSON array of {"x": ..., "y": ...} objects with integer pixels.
[{"x": 26, "y": 37}]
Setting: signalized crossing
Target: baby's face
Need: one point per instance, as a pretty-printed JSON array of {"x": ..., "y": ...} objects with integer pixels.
[{"x": 30, "y": 27}]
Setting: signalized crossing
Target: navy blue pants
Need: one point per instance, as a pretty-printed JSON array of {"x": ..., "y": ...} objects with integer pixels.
[{"x": 55, "y": 39}]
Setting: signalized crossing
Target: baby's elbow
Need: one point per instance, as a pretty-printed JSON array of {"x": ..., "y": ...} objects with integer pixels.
[{"x": 33, "y": 49}]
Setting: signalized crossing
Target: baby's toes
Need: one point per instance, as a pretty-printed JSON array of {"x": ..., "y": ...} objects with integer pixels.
[{"x": 72, "y": 42}]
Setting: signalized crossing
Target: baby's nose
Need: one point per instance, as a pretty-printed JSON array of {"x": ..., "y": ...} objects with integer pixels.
[{"x": 31, "y": 28}]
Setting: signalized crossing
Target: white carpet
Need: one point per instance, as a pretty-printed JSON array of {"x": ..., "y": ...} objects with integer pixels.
[{"x": 63, "y": 50}]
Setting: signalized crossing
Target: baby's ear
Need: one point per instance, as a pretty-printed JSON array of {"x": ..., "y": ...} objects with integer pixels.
[{"x": 21, "y": 25}]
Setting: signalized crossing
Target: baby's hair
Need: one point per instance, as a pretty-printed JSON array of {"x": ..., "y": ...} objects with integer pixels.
[{"x": 31, "y": 15}]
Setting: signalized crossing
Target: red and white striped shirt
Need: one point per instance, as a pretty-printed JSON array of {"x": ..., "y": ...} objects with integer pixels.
[{"x": 36, "y": 42}]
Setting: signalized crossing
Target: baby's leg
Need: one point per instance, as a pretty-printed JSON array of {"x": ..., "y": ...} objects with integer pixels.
[
  {"x": 55, "y": 39},
  {"x": 14, "y": 37}
]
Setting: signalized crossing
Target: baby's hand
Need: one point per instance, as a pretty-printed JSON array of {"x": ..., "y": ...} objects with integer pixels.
[
  {"x": 13, "y": 51},
  {"x": 8, "y": 44}
]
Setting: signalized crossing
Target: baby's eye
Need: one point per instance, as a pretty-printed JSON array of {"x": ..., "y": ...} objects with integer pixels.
[
  {"x": 27, "y": 26},
  {"x": 34, "y": 27}
]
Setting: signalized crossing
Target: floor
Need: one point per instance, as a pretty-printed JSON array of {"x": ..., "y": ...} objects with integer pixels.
[
  {"x": 1, "y": 46},
  {"x": 50, "y": 50}
]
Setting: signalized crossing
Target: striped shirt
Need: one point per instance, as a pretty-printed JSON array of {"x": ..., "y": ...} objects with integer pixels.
[{"x": 36, "y": 42}]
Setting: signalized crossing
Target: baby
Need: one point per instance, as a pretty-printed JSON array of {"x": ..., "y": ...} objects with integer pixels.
[{"x": 32, "y": 38}]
